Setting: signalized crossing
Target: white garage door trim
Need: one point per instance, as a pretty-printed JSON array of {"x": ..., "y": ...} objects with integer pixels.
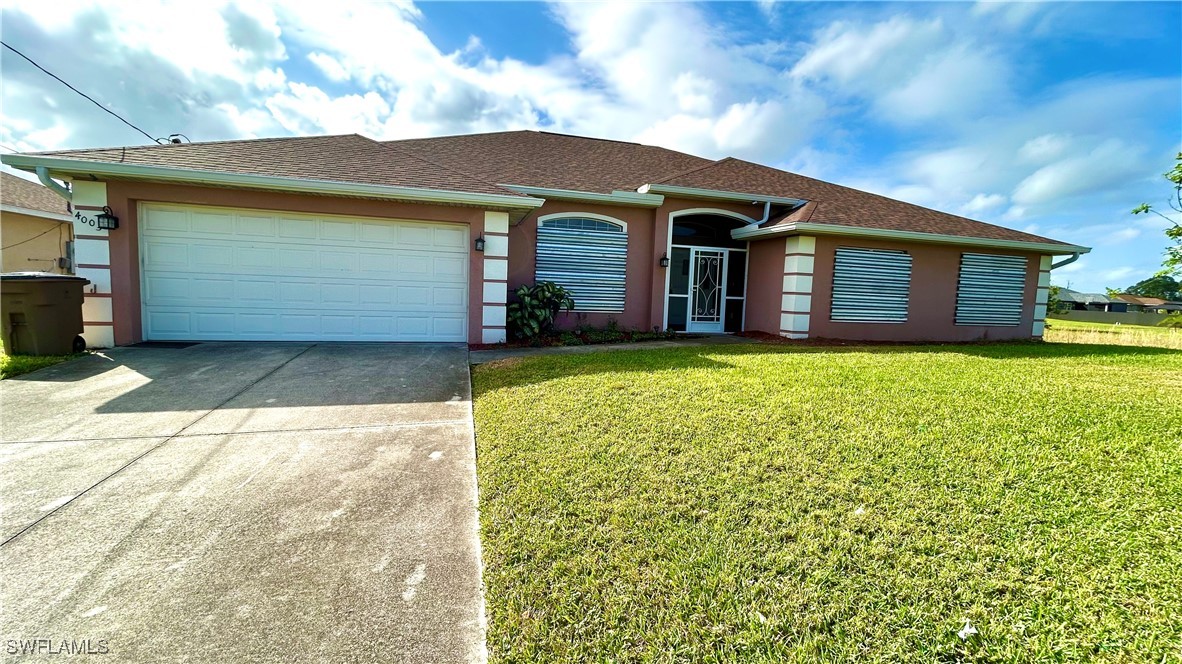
[{"x": 229, "y": 274}]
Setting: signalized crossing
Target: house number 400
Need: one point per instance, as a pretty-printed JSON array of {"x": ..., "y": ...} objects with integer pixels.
[{"x": 83, "y": 219}]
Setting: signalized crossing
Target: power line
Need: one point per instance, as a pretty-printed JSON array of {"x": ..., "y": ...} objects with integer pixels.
[{"x": 59, "y": 79}]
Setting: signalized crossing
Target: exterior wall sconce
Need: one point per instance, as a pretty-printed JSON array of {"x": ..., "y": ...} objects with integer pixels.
[
  {"x": 665, "y": 260},
  {"x": 106, "y": 220},
  {"x": 480, "y": 243}
]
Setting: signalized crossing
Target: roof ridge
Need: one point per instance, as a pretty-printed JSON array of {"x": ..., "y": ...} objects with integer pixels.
[
  {"x": 393, "y": 148},
  {"x": 694, "y": 169},
  {"x": 267, "y": 139},
  {"x": 483, "y": 133}
]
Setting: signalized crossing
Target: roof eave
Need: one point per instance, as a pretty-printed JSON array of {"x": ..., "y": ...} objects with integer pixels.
[
  {"x": 616, "y": 197},
  {"x": 750, "y": 233},
  {"x": 60, "y": 166},
  {"x": 55, "y": 216},
  {"x": 717, "y": 194}
]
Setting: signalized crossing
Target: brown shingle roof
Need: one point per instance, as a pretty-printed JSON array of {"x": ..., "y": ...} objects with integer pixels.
[
  {"x": 344, "y": 158},
  {"x": 19, "y": 192},
  {"x": 842, "y": 206},
  {"x": 553, "y": 161},
  {"x": 478, "y": 163}
]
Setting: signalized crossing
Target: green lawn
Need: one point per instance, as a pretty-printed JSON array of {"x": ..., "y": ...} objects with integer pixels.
[{"x": 777, "y": 503}]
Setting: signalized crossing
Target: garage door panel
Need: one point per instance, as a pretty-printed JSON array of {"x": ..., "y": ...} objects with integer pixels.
[
  {"x": 166, "y": 220},
  {"x": 211, "y": 222},
  {"x": 296, "y": 228},
  {"x": 450, "y": 298},
  {"x": 450, "y": 238},
  {"x": 215, "y": 273},
  {"x": 254, "y": 225},
  {"x": 381, "y": 234}
]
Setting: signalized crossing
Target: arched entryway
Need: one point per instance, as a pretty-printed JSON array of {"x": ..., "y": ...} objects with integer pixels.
[{"x": 707, "y": 276}]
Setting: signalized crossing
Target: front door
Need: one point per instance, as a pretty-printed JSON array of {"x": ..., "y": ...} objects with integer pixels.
[{"x": 707, "y": 267}]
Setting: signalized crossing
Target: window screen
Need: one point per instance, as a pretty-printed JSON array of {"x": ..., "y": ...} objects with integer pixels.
[
  {"x": 588, "y": 257},
  {"x": 870, "y": 285},
  {"x": 990, "y": 289}
]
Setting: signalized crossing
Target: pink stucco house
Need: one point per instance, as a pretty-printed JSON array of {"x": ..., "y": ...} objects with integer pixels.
[{"x": 343, "y": 238}]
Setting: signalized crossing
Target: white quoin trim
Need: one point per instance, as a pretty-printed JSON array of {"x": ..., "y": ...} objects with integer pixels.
[
  {"x": 1042, "y": 295},
  {"x": 494, "y": 287},
  {"x": 796, "y": 300}
]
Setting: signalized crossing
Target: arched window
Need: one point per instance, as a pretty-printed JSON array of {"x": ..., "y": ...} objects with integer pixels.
[
  {"x": 583, "y": 224},
  {"x": 586, "y": 255}
]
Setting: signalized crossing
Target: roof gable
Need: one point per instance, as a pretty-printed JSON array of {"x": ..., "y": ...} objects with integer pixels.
[{"x": 19, "y": 192}]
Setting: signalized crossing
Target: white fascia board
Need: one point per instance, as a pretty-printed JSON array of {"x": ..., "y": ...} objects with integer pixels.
[
  {"x": 617, "y": 197},
  {"x": 295, "y": 185},
  {"x": 750, "y": 233},
  {"x": 64, "y": 218},
  {"x": 717, "y": 195}
]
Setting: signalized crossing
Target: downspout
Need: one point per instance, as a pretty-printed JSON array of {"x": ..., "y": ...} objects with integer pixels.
[
  {"x": 767, "y": 213},
  {"x": 52, "y": 185},
  {"x": 1066, "y": 261}
]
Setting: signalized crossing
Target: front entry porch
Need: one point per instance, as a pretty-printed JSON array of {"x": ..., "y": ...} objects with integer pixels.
[{"x": 707, "y": 275}]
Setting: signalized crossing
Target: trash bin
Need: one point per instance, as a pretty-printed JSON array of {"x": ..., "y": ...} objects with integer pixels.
[{"x": 42, "y": 313}]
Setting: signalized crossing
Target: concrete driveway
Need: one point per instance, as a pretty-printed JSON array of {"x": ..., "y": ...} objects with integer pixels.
[{"x": 244, "y": 502}]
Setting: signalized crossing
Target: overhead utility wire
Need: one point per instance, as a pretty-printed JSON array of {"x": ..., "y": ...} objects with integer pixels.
[{"x": 59, "y": 79}]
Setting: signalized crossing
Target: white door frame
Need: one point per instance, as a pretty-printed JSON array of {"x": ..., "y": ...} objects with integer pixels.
[
  {"x": 725, "y": 297},
  {"x": 669, "y": 246}
]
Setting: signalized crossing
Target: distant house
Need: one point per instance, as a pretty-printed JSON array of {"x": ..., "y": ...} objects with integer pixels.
[
  {"x": 1078, "y": 301},
  {"x": 1147, "y": 304},
  {"x": 35, "y": 227}
]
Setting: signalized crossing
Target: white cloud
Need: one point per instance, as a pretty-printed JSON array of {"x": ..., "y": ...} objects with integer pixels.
[
  {"x": 911, "y": 71},
  {"x": 329, "y": 66},
  {"x": 1044, "y": 148},
  {"x": 983, "y": 203},
  {"x": 1109, "y": 164}
]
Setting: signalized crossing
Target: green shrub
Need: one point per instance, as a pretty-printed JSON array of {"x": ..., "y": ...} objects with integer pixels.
[
  {"x": 1173, "y": 320},
  {"x": 532, "y": 315}
]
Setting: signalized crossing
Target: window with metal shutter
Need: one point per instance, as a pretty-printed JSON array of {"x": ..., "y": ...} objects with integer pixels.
[
  {"x": 870, "y": 285},
  {"x": 588, "y": 257},
  {"x": 990, "y": 289}
]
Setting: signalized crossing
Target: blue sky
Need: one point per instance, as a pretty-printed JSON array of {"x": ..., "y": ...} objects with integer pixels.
[{"x": 1055, "y": 118}]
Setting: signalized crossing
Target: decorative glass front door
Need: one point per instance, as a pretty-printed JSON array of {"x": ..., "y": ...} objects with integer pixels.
[{"x": 706, "y": 290}]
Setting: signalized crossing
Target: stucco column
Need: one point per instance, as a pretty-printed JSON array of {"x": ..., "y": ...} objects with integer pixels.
[
  {"x": 496, "y": 277},
  {"x": 1041, "y": 296},
  {"x": 797, "y": 299},
  {"x": 92, "y": 260}
]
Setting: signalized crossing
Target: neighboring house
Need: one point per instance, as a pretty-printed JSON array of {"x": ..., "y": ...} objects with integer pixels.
[
  {"x": 1078, "y": 301},
  {"x": 35, "y": 228},
  {"x": 1149, "y": 304},
  {"x": 344, "y": 238}
]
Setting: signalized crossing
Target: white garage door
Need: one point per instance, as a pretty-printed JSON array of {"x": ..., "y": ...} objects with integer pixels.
[{"x": 228, "y": 274}]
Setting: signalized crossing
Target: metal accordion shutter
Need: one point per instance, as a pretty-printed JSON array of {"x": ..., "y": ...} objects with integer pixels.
[
  {"x": 870, "y": 285},
  {"x": 990, "y": 289},
  {"x": 591, "y": 264}
]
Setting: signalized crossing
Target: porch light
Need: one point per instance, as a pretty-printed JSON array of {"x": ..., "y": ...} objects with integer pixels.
[
  {"x": 665, "y": 260},
  {"x": 480, "y": 243},
  {"x": 106, "y": 220}
]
